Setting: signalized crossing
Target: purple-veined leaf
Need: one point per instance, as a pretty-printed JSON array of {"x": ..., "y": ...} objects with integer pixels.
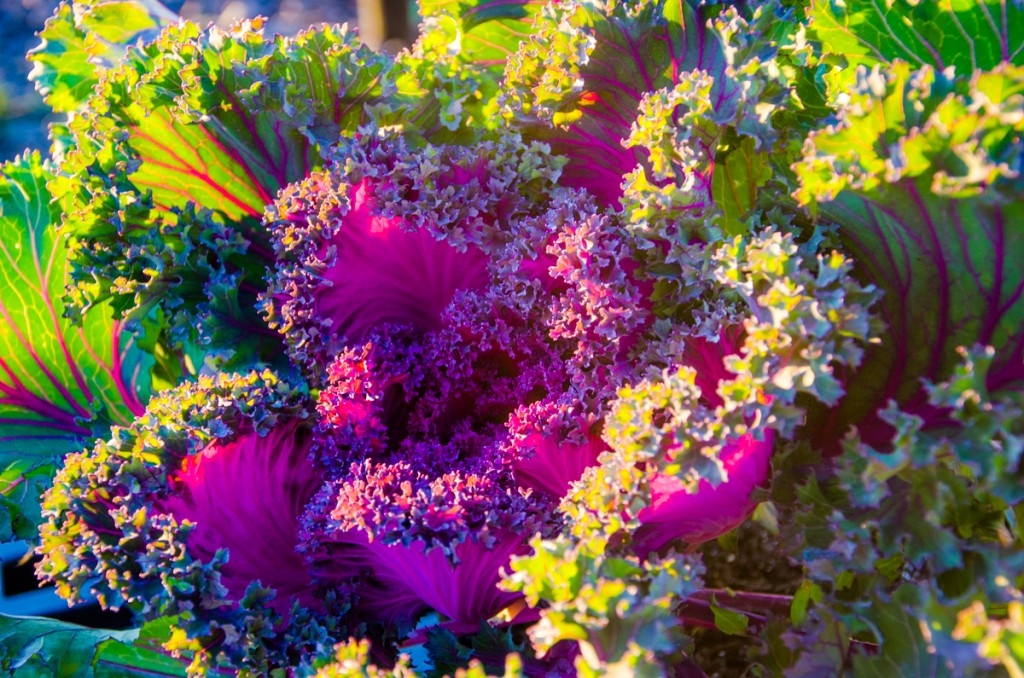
[
  {"x": 161, "y": 565},
  {"x": 226, "y": 118},
  {"x": 670, "y": 107},
  {"x": 60, "y": 384},
  {"x": 921, "y": 176}
]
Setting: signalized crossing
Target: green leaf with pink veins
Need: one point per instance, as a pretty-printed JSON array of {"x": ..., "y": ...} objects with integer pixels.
[{"x": 60, "y": 384}]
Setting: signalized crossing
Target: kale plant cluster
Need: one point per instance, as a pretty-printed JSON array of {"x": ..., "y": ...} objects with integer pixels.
[{"x": 326, "y": 362}]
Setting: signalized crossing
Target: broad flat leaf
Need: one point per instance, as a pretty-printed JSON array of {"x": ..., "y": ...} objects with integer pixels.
[
  {"x": 60, "y": 385},
  {"x": 35, "y": 647},
  {"x": 970, "y": 35},
  {"x": 226, "y": 119}
]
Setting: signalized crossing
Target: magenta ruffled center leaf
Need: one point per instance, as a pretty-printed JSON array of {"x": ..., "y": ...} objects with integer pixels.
[
  {"x": 550, "y": 446},
  {"x": 350, "y": 262},
  {"x": 398, "y": 582},
  {"x": 554, "y": 465},
  {"x": 247, "y": 496},
  {"x": 406, "y": 538},
  {"x": 422, "y": 510},
  {"x": 386, "y": 272},
  {"x": 465, "y": 593},
  {"x": 677, "y": 514}
]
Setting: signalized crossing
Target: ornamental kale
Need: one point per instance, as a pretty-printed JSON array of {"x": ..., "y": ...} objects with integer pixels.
[{"x": 476, "y": 359}]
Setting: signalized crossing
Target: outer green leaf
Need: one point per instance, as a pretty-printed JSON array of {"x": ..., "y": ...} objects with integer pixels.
[
  {"x": 968, "y": 35},
  {"x": 920, "y": 174},
  {"x": 34, "y": 647},
  {"x": 917, "y": 551},
  {"x": 83, "y": 39},
  {"x": 59, "y": 384}
]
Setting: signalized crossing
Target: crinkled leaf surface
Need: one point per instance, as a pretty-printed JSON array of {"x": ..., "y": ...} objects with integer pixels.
[
  {"x": 490, "y": 31},
  {"x": 578, "y": 83},
  {"x": 449, "y": 83}
]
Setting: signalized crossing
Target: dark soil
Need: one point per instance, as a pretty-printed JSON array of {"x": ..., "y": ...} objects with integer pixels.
[{"x": 756, "y": 562}]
